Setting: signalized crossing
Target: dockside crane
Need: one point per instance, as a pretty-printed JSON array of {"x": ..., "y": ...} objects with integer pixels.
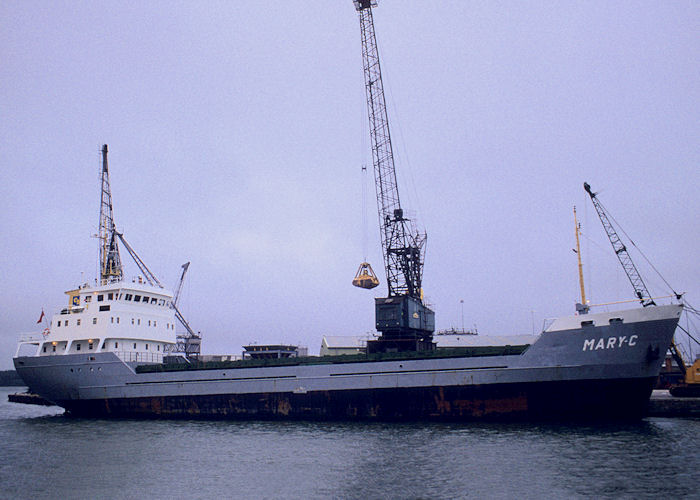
[{"x": 405, "y": 322}]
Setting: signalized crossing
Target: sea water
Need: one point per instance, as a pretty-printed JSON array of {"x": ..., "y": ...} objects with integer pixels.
[{"x": 46, "y": 454}]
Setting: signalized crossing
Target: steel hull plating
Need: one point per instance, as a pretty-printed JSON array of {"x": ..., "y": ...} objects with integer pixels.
[
  {"x": 583, "y": 399},
  {"x": 603, "y": 371}
]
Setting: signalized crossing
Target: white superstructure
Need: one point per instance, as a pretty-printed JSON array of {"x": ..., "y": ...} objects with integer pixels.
[{"x": 134, "y": 320}]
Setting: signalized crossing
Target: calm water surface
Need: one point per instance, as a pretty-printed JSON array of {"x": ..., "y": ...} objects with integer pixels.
[{"x": 47, "y": 455}]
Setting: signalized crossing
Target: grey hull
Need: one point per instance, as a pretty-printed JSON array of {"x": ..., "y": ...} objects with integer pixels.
[{"x": 602, "y": 371}]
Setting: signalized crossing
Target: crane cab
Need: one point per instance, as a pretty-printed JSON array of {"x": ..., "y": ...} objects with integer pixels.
[{"x": 365, "y": 277}]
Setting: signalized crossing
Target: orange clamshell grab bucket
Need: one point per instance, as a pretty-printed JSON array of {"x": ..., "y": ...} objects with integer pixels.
[{"x": 365, "y": 277}]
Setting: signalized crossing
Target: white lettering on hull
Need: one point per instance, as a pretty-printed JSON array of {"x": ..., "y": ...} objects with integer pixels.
[{"x": 610, "y": 343}]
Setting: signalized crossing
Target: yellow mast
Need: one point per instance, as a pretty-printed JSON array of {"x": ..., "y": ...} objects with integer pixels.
[{"x": 577, "y": 226}]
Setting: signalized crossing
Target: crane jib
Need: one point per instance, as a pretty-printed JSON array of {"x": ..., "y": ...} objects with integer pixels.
[
  {"x": 640, "y": 289},
  {"x": 402, "y": 244},
  {"x": 403, "y": 320}
]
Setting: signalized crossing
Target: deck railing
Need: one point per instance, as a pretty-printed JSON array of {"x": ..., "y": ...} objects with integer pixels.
[
  {"x": 146, "y": 357},
  {"x": 31, "y": 337}
]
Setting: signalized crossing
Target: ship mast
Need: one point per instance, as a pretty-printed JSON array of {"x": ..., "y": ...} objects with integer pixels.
[
  {"x": 581, "y": 308},
  {"x": 110, "y": 262}
]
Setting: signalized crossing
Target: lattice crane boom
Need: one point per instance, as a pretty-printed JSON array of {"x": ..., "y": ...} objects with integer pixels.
[
  {"x": 640, "y": 289},
  {"x": 405, "y": 322},
  {"x": 185, "y": 267},
  {"x": 403, "y": 245}
]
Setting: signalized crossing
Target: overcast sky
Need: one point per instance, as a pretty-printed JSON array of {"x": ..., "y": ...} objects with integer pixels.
[{"x": 237, "y": 131}]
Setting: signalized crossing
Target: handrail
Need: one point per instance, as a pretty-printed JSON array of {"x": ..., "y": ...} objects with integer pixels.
[
  {"x": 31, "y": 337},
  {"x": 130, "y": 356},
  {"x": 629, "y": 300}
]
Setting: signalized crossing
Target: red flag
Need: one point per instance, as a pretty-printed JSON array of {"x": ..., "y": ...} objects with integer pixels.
[{"x": 41, "y": 317}]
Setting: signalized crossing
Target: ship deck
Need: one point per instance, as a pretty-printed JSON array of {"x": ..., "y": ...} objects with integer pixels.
[{"x": 458, "y": 352}]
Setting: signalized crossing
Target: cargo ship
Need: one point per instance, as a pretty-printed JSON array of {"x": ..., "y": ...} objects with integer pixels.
[
  {"x": 114, "y": 351},
  {"x": 109, "y": 363}
]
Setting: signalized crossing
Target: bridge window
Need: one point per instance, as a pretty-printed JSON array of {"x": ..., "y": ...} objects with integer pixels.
[
  {"x": 134, "y": 345},
  {"x": 146, "y": 346},
  {"x": 116, "y": 345},
  {"x": 100, "y": 298},
  {"x": 59, "y": 323},
  {"x": 77, "y": 347},
  {"x": 94, "y": 321},
  {"x": 78, "y": 321},
  {"x": 137, "y": 298},
  {"x": 110, "y": 296},
  {"x": 128, "y": 296},
  {"x": 44, "y": 348}
]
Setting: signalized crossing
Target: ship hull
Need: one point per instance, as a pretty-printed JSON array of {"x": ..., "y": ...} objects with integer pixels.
[
  {"x": 603, "y": 368},
  {"x": 570, "y": 400}
]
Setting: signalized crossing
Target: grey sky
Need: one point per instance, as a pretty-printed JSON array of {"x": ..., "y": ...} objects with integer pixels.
[{"x": 237, "y": 131}]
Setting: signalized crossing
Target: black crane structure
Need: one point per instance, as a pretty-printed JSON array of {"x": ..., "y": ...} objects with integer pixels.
[
  {"x": 402, "y": 318},
  {"x": 640, "y": 289}
]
